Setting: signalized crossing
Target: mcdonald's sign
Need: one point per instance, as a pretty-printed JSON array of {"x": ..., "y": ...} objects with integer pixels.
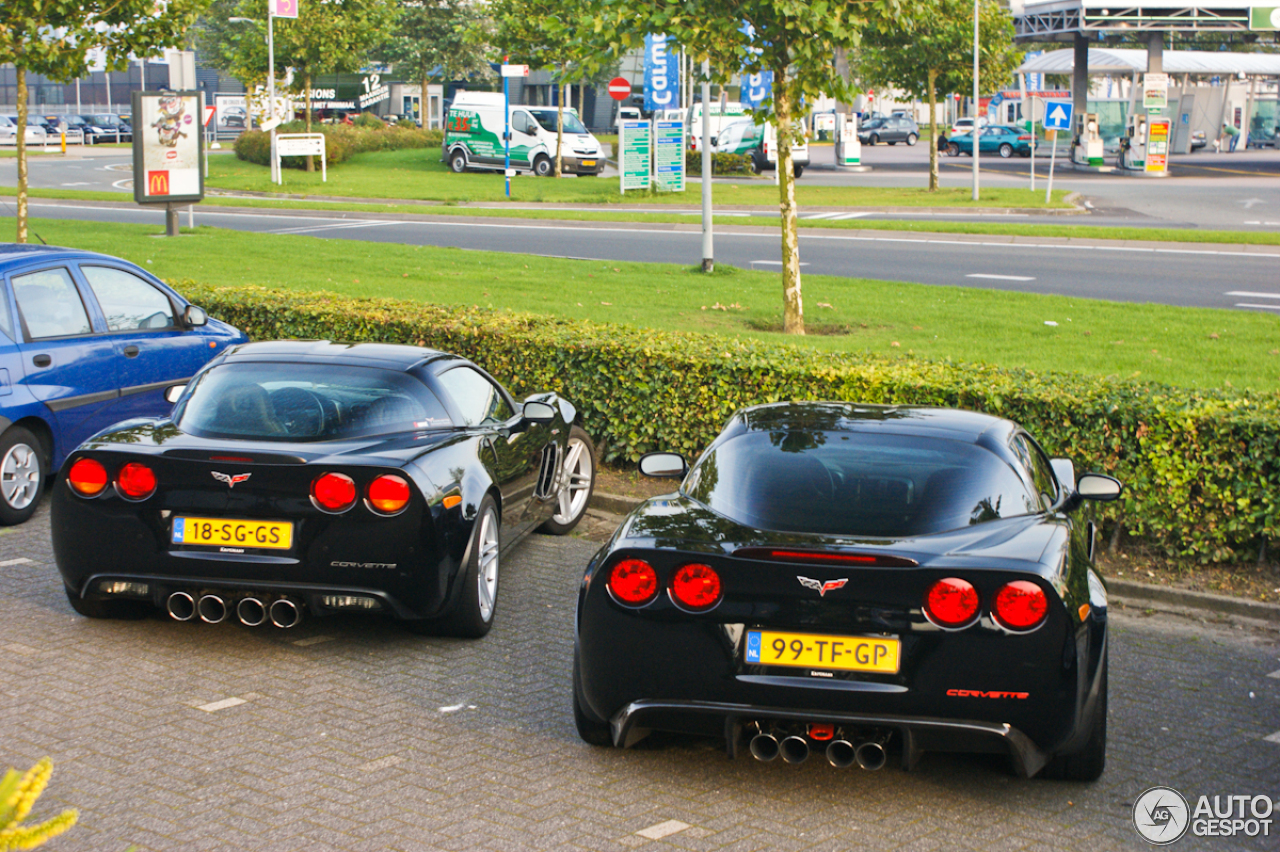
[{"x": 158, "y": 183}]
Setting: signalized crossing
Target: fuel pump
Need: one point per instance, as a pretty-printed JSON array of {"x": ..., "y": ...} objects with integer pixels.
[
  {"x": 1133, "y": 145},
  {"x": 848, "y": 148},
  {"x": 1086, "y": 147}
]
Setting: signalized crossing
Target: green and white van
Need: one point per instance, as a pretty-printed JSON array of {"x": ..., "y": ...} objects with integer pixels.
[
  {"x": 717, "y": 117},
  {"x": 760, "y": 143},
  {"x": 473, "y": 137}
]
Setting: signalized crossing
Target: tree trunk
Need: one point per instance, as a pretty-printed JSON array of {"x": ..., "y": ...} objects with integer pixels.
[
  {"x": 792, "y": 305},
  {"x": 933, "y": 130},
  {"x": 424, "y": 101},
  {"x": 564, "y": 91},
  {"x": 21, "y": 138},
  {"x": 306, "y": 93}
]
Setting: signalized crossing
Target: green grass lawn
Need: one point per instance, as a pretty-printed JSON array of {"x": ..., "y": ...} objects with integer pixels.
[
  {"x": 1182, "y": 346},
  {"x": 418, "y": 174}
]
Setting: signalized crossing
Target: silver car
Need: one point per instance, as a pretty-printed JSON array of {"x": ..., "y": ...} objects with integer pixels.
[{"x": 9, "y": 131}]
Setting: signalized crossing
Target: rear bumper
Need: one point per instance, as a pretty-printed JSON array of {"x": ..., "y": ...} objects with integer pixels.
[{"x": 919, "y": 733}]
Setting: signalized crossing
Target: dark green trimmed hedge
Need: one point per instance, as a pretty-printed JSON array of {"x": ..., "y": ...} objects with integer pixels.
[
  {"x": 341, "y": 141},
  {"x": 722, "y": 163},
  {"x": 1201, "y": 469}
]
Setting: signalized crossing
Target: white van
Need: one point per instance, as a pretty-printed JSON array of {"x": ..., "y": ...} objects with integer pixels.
[
  {"x": 718, "y": 116},
  {"x": 473, "y": 137},
  {"x": 627, "y": 114},
  {"x": 760, "y": 143}
]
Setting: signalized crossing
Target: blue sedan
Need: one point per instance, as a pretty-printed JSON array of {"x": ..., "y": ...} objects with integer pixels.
[
  {"x": 86, "y": 340},
  {"x": 998, "y": 139}
]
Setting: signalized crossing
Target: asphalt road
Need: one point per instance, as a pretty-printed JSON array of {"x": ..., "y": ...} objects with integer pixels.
[
  {"x": 352, "y": 734},
  {"x": 1208, "y": 276}
]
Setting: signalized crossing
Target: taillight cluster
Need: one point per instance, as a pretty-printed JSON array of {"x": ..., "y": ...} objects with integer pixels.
[
  {"x": 133, "y": 481},
  {"x": 335, "y": 493},
  {"x": 694, "y": 586},
  {"x": 953, "y": 603}
]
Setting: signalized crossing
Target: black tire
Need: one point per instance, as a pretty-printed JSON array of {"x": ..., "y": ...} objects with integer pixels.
[
  {"x": 22, "y": 468},
  {"x": 542, "y": 165},
  {"x": 472, "y": 615},
  {"x": 1088, "y": 763},
  {"x": 592, "y": 730},
  {"x": 874, "y": 140},
  {"x": 796, "y": 171},
  {"x": 912, "y": 138},
  {"x": 1006, "y": 151},
  {"x": 122, "y": 610},
  {"x": 757, "y": 161},
  {"x": 458, "y": 162},
  {"x": 574, "y": 498},
  {"x": 953, "y": 149}
]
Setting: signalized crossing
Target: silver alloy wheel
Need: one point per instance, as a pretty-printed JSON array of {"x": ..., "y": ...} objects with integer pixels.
[
  {"x": 487, "y": 560},
  {"x": 20, "y": 476},
  {"x": 576, "y": 490}
]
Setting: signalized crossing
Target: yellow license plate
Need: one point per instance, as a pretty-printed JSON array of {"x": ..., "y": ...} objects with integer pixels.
[
  {"x": 814, "y": 651},
  {"x": 588, "y": 162},
  {"x": 220, "y": 532}
]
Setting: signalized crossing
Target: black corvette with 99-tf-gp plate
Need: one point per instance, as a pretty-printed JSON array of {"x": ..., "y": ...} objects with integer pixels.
[
  {"x": 303, "y": 476},
  {"x": 855, "y": 579}
]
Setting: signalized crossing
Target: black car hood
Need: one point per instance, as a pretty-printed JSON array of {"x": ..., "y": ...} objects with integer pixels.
[
  {"x": 676, "y": 522},
  {"x": 162, "y": 437}
]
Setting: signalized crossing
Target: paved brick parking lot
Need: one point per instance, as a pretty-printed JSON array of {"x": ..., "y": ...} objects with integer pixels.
[{"x": 352, "y": 734}]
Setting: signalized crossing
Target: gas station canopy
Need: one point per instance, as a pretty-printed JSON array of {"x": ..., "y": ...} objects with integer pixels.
[
  {"x": 1060, "y": 20},
  {"x": 1193, "y": 62}
]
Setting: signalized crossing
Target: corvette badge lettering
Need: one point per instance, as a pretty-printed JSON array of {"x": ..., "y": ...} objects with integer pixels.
[
  {"x": 822, "y": 586},
  {"x": 230, "y": 479},
  {"x": 978, "y": 693}
]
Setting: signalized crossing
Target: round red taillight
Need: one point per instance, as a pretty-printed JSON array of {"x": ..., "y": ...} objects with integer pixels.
[
  {"x": 87, "y": 477},
  {"x": 696, "y": 586},
  {"x": 951, "y": 602},
  {"x": 388, "y": 494},
  {"x": 1021, "y": 605},
  {"x": 633, "y": 582},
  {"x": 334, "y": 492},
  {"x": 136, "y": 481}
]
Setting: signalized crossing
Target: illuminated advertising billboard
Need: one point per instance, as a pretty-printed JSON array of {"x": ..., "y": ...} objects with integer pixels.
[{"x": 168, "y": 147}]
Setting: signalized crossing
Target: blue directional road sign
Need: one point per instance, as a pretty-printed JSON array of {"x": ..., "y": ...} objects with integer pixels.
[{"x": 1057, "y": 116}]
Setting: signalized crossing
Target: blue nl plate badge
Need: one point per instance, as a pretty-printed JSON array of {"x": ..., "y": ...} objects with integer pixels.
[
  {"x": 753, "y": 647},
  {"x": 178, "y": 528}
]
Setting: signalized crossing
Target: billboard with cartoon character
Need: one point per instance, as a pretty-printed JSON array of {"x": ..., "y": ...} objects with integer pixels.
[{"x": 167, "y": 147}]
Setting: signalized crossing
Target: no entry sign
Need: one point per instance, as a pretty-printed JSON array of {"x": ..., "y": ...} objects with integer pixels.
[{"x": 619, "y": 88}]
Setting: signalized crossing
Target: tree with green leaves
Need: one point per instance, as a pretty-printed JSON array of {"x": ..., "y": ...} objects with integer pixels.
[
  {"x": 325, "y": 38},
  {"x": 54, "y": 37},
  {"x": 556, "y": 35},
  {"x": 447, "y": 39},
  {"x": 936, "y": 55},
  {"x": 796, "y": 40}
]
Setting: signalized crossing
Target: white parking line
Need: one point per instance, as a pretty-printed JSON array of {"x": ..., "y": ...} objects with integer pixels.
[
  {"x": 221, "y": 705},
  {"x": 1249, "y": 295},
  {"x": 1001, "y": 277},
  {"x": 663, "y": 829},
  {"x": 1274, "y": 738},
  {"x": 21, "y": 560}
]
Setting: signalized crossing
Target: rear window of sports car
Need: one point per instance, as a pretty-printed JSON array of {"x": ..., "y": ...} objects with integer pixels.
[
  {"x": 307, "y": 402},
  {"x": 856, "y": 484}
]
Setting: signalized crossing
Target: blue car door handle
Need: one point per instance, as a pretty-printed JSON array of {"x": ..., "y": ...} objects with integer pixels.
[
  {"x": 42, "y": 360},
  {"x": 131, "y": 351}
]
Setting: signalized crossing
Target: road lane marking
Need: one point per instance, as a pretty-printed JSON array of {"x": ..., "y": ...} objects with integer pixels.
[
  {"x": 341, "y": 226},
  {"x": 382, "y": 763},
  {"x": 313, "y": 640},
  {"x": 1251, "y": 295},
  {"x": 812, "y": 216},
  {"x": 843, "y": 216},
  {"x": 771, "y": 263},
  {"x": 1275, "y": 674},
  {"x": 1274, "y": 738},
  {"x": 1001, "y": 277},
  {"x": 1263, "y": 307},
  {"x": 663, "y": 829},
  {"x": 79, "y": 183},
  {"x": 21, "y": 560},
  {"x": 221, "y": 705}
]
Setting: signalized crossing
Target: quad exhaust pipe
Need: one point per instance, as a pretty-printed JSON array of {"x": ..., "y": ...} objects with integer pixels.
[
  {"x": 842, "y": 752},
  {"x": 251, "y": 611}
]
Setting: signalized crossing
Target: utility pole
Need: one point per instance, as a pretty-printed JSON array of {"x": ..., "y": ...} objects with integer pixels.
[{"x": 708, "y": 255}]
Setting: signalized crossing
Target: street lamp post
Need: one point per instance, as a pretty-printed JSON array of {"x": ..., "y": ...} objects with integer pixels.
[
  {"x": 271, "y": 83},
  {"x": 976, "y": 109}
]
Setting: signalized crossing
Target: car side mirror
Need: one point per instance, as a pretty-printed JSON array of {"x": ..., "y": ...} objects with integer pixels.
[
  {"x": 194, "y": 316},
  {"x": 173, "y": 392},
  {"x": 1065, "y": 472},
  {"x": 664, "y": 465},
  {"x": 1098, "y": 486},
  {"x": 539, "y": 412}
]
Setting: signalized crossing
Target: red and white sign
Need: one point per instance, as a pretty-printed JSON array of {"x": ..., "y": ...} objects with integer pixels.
[
  {"x": 208, "y": 114},
  {"x": 515, "y": 70},
  {"x": 619, "y": 88},
  {"x": 284, "y": 8}
]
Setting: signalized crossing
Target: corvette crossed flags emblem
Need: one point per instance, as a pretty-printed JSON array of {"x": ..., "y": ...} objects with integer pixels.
[
  {"x": 821, "y": 586},
  {"x": 230, "y": 479}
]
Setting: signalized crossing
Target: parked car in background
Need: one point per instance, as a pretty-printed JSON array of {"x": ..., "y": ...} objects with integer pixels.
[
  {"x": 105, "y": 127},
  {"x": 894, "y": 129},
  {"x": 1198, "y": 140},
  {"x": 86, "y": 340},
  {"x": 35, "y": 134},
  {"x": 998, "y": 139},
  {"x": 233, "y": 116},
  {"x": 627, "y": 114},
  {"x": 308, "y": 476},
  {"x": 854, "y": 580},
  {"x": 60, "y": 125}
]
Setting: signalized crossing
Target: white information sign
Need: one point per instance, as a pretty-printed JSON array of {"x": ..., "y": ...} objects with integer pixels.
[
  {"x": 635, "y": 154},
  {"x": 302, "y": 145}
]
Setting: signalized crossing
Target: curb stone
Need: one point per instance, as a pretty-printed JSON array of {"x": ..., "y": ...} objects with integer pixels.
[{"x": 1125, "y": 590}]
